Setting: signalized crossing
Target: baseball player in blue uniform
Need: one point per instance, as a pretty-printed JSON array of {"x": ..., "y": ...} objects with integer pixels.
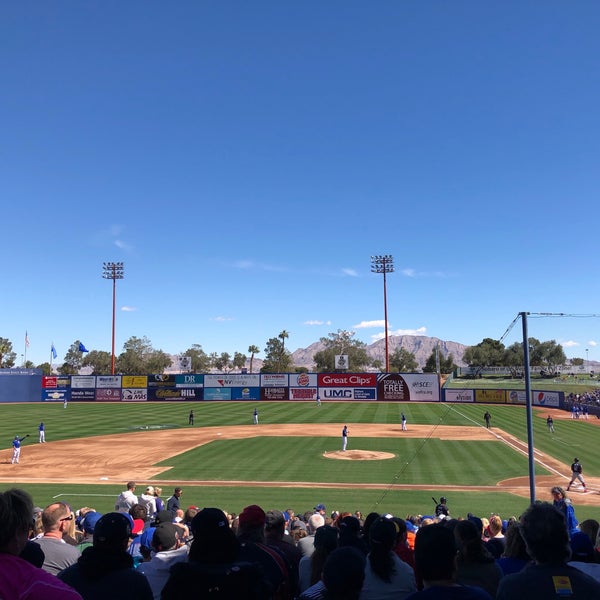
[
  {"x": 42, "y": 430},
  {"x": 17, "y": 449}
]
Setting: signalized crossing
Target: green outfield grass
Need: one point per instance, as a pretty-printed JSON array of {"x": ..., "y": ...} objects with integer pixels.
[{"x": 429, "y": 461}]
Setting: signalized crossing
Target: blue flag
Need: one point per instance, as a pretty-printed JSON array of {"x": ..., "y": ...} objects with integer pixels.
[
  {"x": 82, "y": 348},
  {"x": 53, "y": 350}
]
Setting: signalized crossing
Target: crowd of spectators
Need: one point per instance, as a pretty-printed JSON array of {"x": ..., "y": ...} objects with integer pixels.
[{"x": 139, "y": 552}]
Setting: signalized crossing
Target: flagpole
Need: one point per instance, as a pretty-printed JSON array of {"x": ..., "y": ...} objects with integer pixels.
[{"x": 26, "y": 344}]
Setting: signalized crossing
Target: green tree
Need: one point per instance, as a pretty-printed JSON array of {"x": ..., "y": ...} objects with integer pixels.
[
  {"x": 100, "y": 361},
  {"x": 73, "y": 360},
  {"x": 547, "y": 355},
  {"x": 45, "y": 367},
  {"x": 514, "y": 360},
  {"x": 284, "y": 335},
  {"x": 488, "y": 353},
  {"x": 132, "y": 361},
  {"x": 157, "y": 362},
  {"x": 239, "y": 361},
  {"x": 403, "y": 361},
  {"x": 200, "y": 360},
  {"x": 7, "y": 356},
  {"x": 223, "y": 362},
  {"x": 447, "y": 364},
  {"x": 577, "y": 362},
  {"x": 341, "y": 342},
  {"x": 252, "y": 350},
  {"x": 277, "y": 358}
]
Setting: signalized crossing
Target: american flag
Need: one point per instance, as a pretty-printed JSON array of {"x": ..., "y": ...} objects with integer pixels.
[{"x": 26, "y": 340}]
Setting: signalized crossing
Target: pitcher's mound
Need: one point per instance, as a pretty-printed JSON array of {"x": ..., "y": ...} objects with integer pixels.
[{"x": 358, "y": 455}]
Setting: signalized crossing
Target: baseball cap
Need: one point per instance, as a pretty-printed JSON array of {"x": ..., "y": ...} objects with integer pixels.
[
  {"x": 252, "y": 516},
  {"x": 320, "y": 507},
  {"x": 165, "y": 536},
  {"x": 112, "y": 528},
  {"x": 150, "y": 489},
  {"x": 89, "y": 522},
  {"x": 350, "y": 523},
  {"x": 163, "y": 516},
  {"x": 146, "y": 537},
  {"x": 209, "y": 522},
  {"x": 383, "y": 532},
  {"x": 326, "y": 537}
]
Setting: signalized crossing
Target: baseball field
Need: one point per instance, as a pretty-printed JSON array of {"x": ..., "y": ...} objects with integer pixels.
[{"x": 293, "y": 458}]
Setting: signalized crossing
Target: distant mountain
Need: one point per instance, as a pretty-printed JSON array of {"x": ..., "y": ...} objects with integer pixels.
[{"x": 419, "y": 345}]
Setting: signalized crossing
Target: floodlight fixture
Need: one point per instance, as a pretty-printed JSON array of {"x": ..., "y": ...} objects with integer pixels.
[{"x": 114, "y": 271}]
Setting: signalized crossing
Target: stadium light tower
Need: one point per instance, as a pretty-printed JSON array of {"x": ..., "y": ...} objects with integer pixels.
[
  {"x": 384, "y": 264},
  {"x": 114, "y": 271}
]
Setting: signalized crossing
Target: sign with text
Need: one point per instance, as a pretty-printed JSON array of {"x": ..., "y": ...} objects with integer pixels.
[
  {"x": 459, "y": 396},
  {"x": 274, "y": 380},
  {"x": 414, "y": 387},
  {"x": 134, "y": 394},
  {"x": 232, "y": 380},
  {"x": 108, "y": 381},
  {"x": 135, "y": 381},
  {"x": 347, "y": 380},
  {"x": 189, "y": 381},
  {"x": 108, "y": 395},
  {"x": 303, "y": 393},
  {"x": 83, "y": 381}
]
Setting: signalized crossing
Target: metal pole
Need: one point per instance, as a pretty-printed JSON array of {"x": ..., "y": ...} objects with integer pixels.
[
  {"x": 112, "y": 362},
  {"x": 530, "y": 447},
  {"x": 387, "y": 349}
]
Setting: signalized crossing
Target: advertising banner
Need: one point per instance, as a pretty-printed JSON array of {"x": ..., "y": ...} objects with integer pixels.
[
  {"x": 274, "y": 380},
  {"x": 347, "y": 393},
  {"x": 414, "y": 387},
  {"x": 459, "y": 396},
  {"x": 490, "y": 396},
  {"x": 161, "y": 381},
  {"x": 108, "y": 381},
  {"x": 274, "y": 393},
  {"x": 62, "y": 381},
  {"x": 189, "y": 381},
  {"x": 83, "y": 395},
  {"x": 550, "y": 399},
  {"x": 134, "y": 394},
  {"x": 217, "y": 393},
  {"x": 245, "y": 393},
  {"x": 303, "y": 393},
  {"x": 49, "y": 395},
  {"x": 174, "y": 394},
  {"x": 304, "y": 379},
  {"x": 108, "y": 395},
  {"x": 232, "y": 380},
  {"x": 135, "y": 381},
  {"x": 83, "y": 381},
  {"x": 347, "y": 380}
]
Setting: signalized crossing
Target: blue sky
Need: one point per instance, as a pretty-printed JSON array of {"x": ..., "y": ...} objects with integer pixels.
[{"x": 245, "y": 159}]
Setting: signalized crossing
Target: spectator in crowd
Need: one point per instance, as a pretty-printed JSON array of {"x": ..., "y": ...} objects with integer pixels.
[
  {"x": 251, "y": 535},
  {"x": 169, "y": 549},
  {"x": 148, "y": 500},
  {"x": 564, "y": 504},
  {"x": 401, "y": 548},
  {"x": 173, "y": 502},
  {"x": 213, "y": 562},
  {"x": 275, "y": 537},
  {"x": 87, "y": 526},
  {"x": 58, "y": 555},
  {"x": 590, "y": 527},
  {"x": 386, "y": 576},
  {"x": 496, "y": 540},
  {"x": 435, "y": 560},
  {"x": 475, "y": 565},
  {"x": 19, "y": 578},
  {"x": 350, "y": 534},
  {"x": 160, "y": 505},
  {"x": 544, "y": 530},
  {"x": 105, "y": 570},
  {"x": 515, "y": 555},
  {"x": 343, "y": 576},
  {"x": 307, "y": 544},
  {"x": 311, "y": 567},
  {"x": 127, "y": 499}
]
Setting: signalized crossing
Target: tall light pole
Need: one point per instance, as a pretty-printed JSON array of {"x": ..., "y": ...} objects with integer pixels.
[
  {"x": 587, "y": 360},
  {"x": 384, "y": 264},
  {"x": 114, "y": 271}
]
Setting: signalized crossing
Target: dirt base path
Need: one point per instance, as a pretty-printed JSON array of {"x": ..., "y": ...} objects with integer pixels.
[{"x": 118, "y": 458}]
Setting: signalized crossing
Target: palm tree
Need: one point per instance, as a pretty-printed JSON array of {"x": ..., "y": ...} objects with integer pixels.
[
  {"x": 283, "y": 336},
  {"x": 252, "y": 351}
]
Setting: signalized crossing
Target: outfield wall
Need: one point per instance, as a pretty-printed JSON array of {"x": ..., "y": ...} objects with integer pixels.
[{"x": 408, "y": 387}]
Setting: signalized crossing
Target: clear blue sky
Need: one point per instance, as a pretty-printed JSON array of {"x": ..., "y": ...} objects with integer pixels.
[{"x": 245, "y": 159}]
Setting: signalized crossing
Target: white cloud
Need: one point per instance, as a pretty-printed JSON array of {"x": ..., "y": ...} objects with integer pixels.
[
  {"x": 251, "y": 264},
  {"x": 570, "y": 344},
  {"x": 369, "y": 324},
  {"x": 592, "y": 343},
  {"x": 409, "y": 272},
  {"x": 222, "y": 319},
  {"x": 350, "y": 272},
  {"x": 122, "y": 245},
  {"x": 381, "y": 336},
  {"x": 316, "y": 322},
  {"x": 128, "y": 308}
]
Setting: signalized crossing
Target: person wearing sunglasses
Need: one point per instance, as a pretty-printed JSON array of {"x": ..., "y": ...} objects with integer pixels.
[{"x": 56, "y": 519}]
